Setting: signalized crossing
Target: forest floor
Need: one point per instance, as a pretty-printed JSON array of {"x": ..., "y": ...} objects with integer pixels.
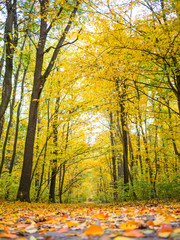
[{"x": 122, "y": 221}]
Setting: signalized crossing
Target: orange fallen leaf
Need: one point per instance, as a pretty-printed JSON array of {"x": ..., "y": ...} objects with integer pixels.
[
  {"x": 43, "y": 232},
  {"x": 150, "y": 223},
  {"x": 8, "y": 235},
  {"x": 133, "y": 233},
  {"x": 94, "y": 230},
  {"x": 172, "y": 218},
  {"x": 129, "y": 225},
  {"x": 63, "y": 230},
  {"x": 165, "y": 228},
  {"x": 100, "y": 216}
]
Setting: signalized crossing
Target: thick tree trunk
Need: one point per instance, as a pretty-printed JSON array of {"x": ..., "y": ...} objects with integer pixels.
[
  {"x": 39, "y": 81},
  {"x": 123, "y": 117},
  {"x": 25, "y": 182}
]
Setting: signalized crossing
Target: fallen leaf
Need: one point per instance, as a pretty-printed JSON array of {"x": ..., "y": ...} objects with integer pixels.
[
  {"x": 133, "y": 233},
  {"x": 72, "y": 224},
  {"x": 62, "y": 230},
  {"x": 129, "y": 225},
  {"x": 94, "y": 230},
  {"x": 164, "y": 234},
  {"x": 165, "y": 228},
  {"x": 122, "y": 238},
  {"x": 8, "y": 235}
]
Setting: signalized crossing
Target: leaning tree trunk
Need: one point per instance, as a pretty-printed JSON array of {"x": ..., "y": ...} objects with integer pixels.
[
  {"x": 12, "y": 108},
  {"x": 38, "y": 85},
  {"x": 10, "y": 43}
]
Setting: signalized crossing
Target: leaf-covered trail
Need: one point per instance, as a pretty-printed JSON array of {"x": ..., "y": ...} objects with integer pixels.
[{"x": 89, "y": 221}]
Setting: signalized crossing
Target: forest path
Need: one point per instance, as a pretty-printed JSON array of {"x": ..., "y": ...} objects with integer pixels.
[{"x": 123, "y": 221}]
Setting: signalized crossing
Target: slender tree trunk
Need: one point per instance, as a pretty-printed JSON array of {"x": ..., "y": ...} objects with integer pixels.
[
  {"x": 119, "y": 158},
  {"x": 139, "y": 157},
  {"x": 2, "y": 62},
  {"x": 45, "y": 151},
  {"x": 55, "y": 153},
  {"x": 155, "y": 160},
  {"x": 11, "y": 108},
  {"x": 177, "y": 153},
  {"x": 63, "y": 166},
  {"x": 61, "y": 181},
  {"x": 17, "y": 121},
  {"x": 113, "y": 157},
  {"x": 37, "y": 173},
  {"x": 144, "y": 139},
  {"x": 10, "y": 44}
]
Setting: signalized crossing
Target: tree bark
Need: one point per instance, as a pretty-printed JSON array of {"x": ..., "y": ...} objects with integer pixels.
[
  {"x": 10, "y": 44},
  {"x": 123, "y": 116},
  {"x": 113, "y": 157},
  {"x": 55, "y": 153},
  {"x": 12, "y": 107},
  {"x": 39, "y": 81},
  {"x": 17, "y": 121}
]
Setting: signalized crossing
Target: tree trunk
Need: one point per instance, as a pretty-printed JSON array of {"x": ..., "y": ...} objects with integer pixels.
[
  {"x": 11, "y": 108},
  {"x": 45, "y": 151},
  {"x": 139, "y": 157},
  {"x": 113, "y": 157},
  {"x": 10, "y": 44},
  {"x": 38, "y": 84},
  {"x": 17, "y": 121},
  {"x": 144, "y": 139},
  {"x": 123, "y": 116},
  {"x": 55, "y": 153},
  {"x": 63, "y": 167}
]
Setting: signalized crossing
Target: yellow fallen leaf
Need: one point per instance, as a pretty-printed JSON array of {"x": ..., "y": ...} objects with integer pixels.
[
  {"x": 72, "y": 224},
  {"x": 71, "y": 234},
  {"x": 21, "y": 238},
  {"x": 94, "y": 230},
  {"x": 164, "y": 234},
  {"x": 122, "y": 238},
  {"x": 166, "y": 221},
  {"x": 130, "y": 225}
]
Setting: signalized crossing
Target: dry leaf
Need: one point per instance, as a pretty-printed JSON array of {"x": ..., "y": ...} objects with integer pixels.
[{"x": 94, "y": 230}]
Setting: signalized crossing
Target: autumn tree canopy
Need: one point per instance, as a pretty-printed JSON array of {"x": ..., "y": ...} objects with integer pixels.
[{"x": 90, "y": 106}]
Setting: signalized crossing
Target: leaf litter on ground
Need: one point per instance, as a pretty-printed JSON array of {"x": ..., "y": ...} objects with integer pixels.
[{"x": 123, "y": 221}]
